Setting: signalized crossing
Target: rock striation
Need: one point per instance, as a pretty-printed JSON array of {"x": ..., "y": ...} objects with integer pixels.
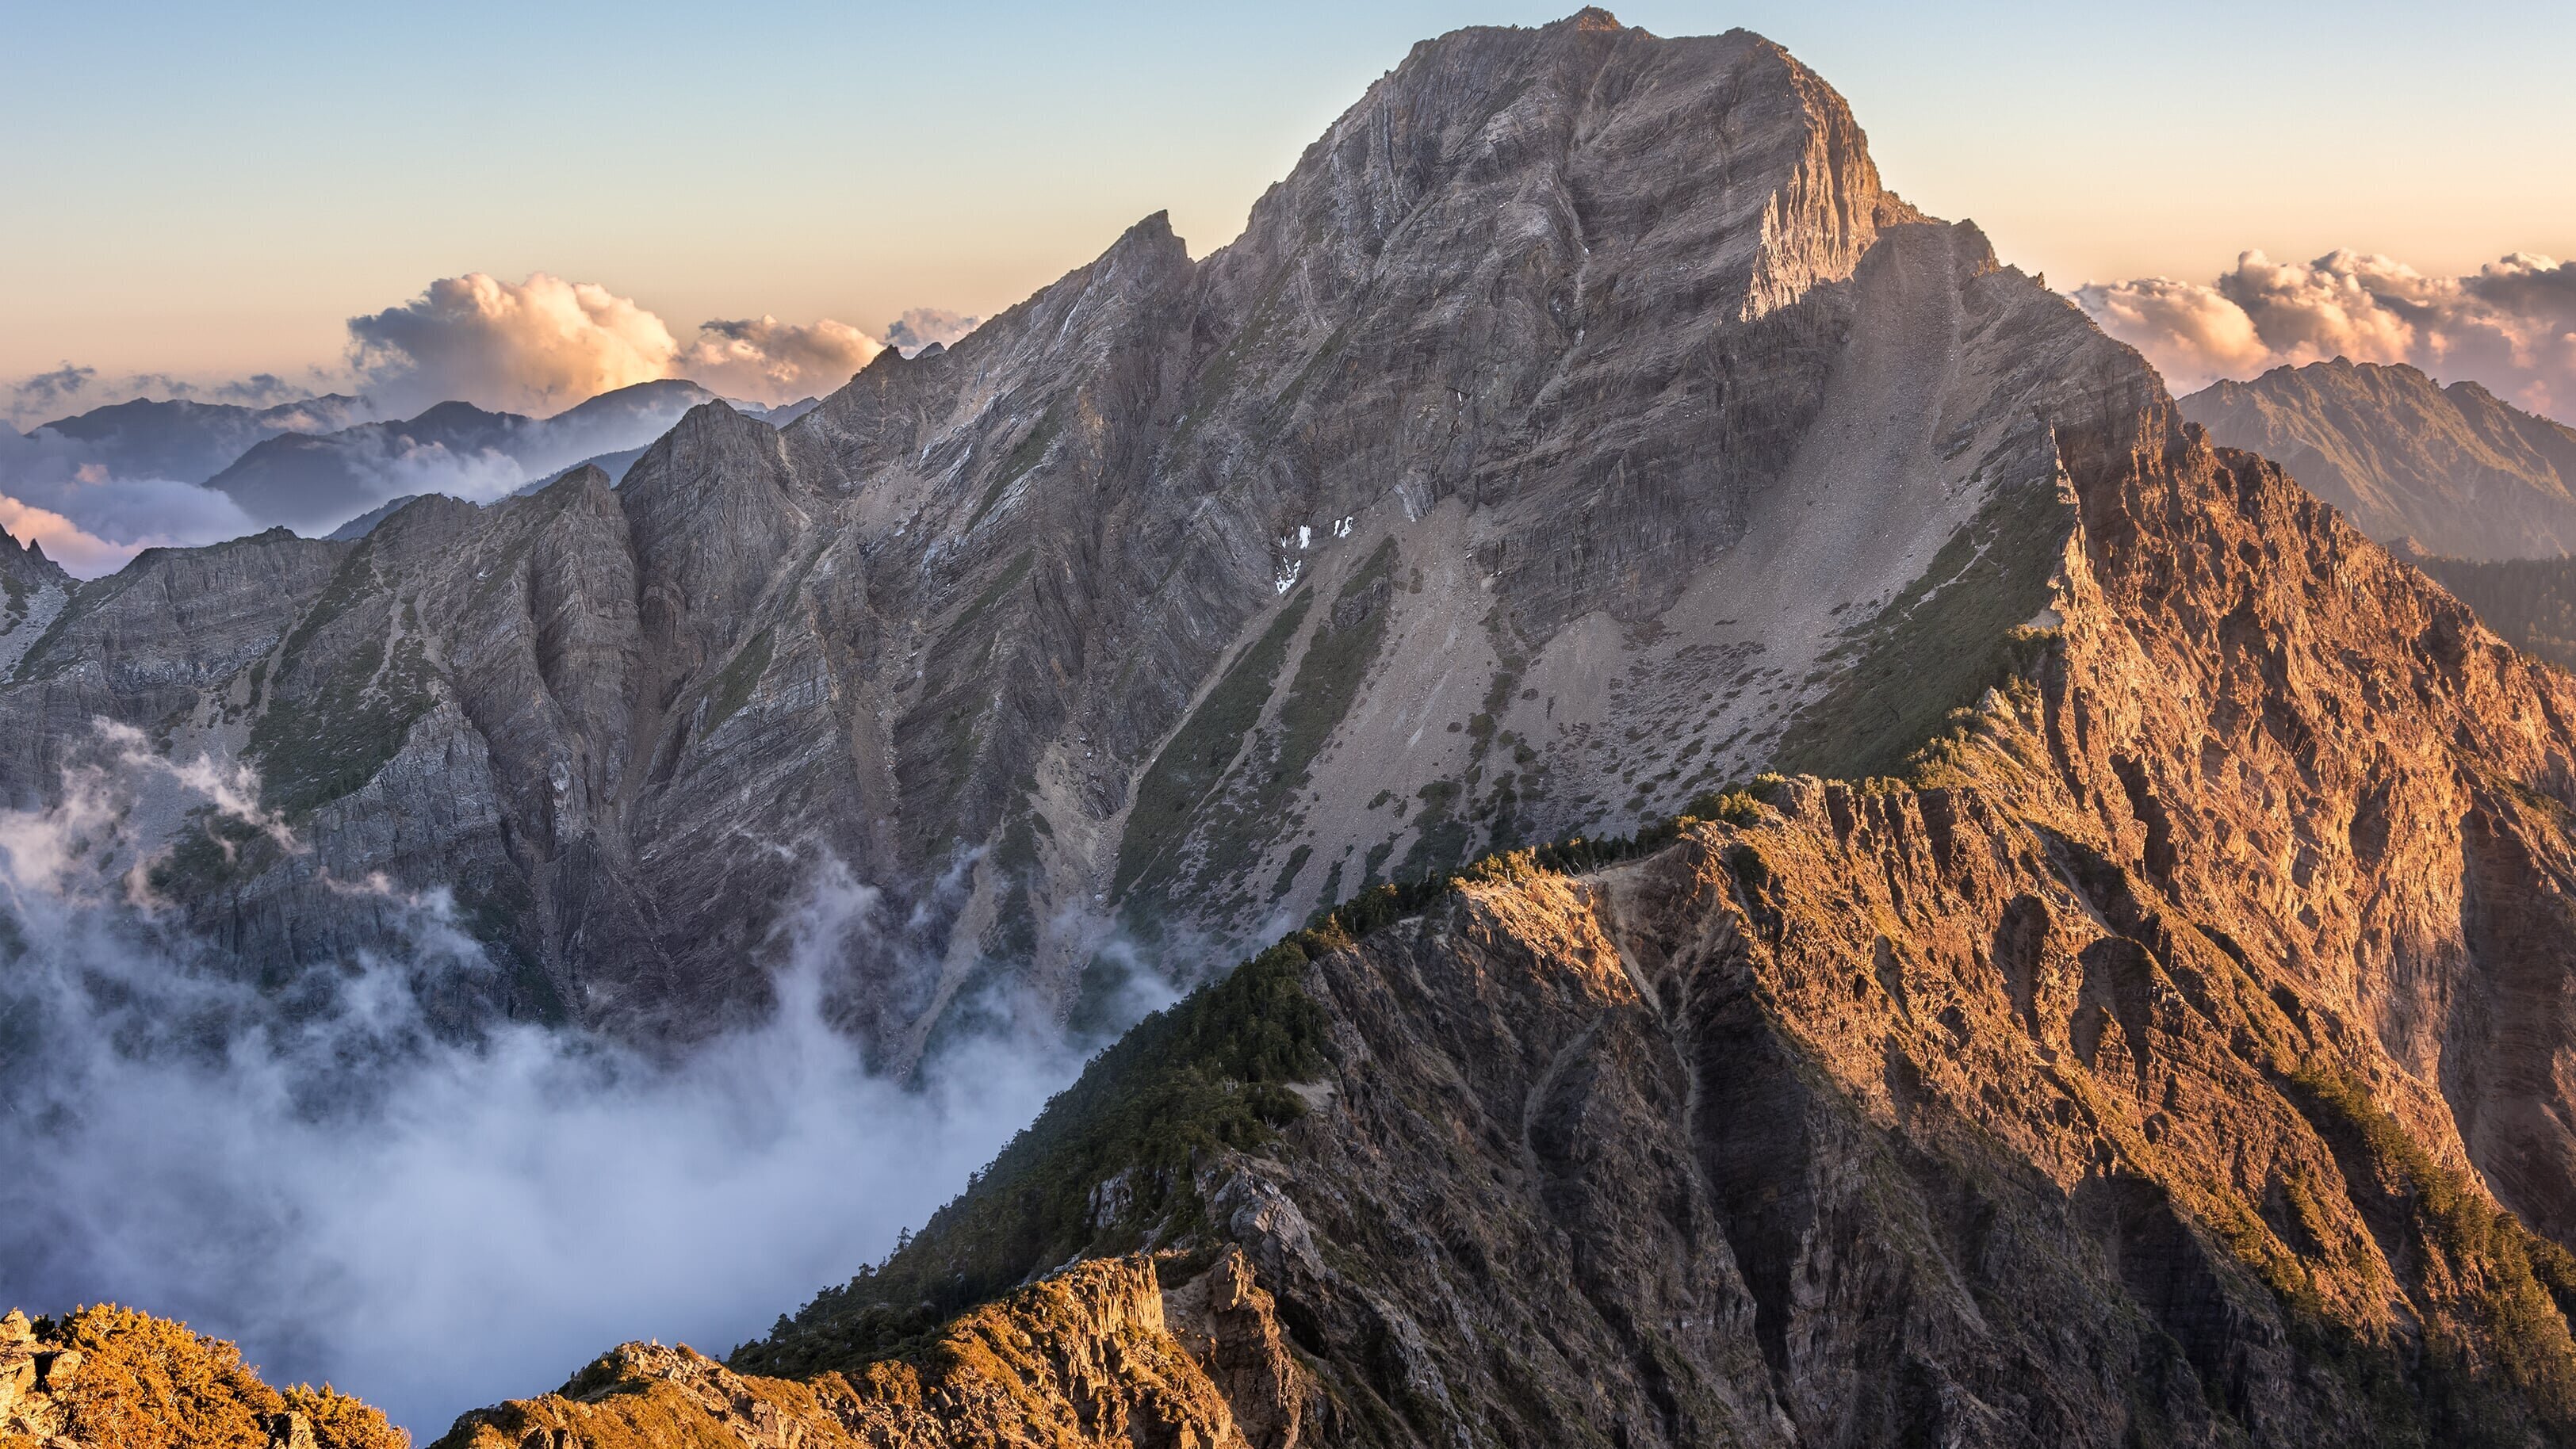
[
  {"x": 2455, "y": 468},
  {"x": 2133, "y": 1006}
]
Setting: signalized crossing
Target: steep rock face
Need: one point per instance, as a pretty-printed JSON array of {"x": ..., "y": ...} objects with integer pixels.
[
  {"x": 1104, "y": 1354},
  {"x": 33, "y": 589},
  {"x": 2452, "y": 467},
  {"x": 1580, "y": 424},
  {"x": 2177, "y": 1054}
]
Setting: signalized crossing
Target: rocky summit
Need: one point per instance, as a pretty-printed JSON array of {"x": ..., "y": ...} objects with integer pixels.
[{"x": 2108, "y": 983}]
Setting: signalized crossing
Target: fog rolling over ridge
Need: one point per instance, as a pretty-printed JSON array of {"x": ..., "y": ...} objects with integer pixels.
[{"x": 431, "y": 1220}]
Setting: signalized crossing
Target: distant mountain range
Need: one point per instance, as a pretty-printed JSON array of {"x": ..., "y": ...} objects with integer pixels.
[
  {"x": 2455, "y": 468},
  {"x": 318, "y": 465},
  {"x": 192, "y": 441}
]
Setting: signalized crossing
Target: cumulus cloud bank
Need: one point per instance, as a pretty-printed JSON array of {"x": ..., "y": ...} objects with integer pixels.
[
  {"x": 2511, "y": 325},
  {"x": 544, "y": 344},
  {"x": 536, "y": 347},
  {"x": 430, "y": 1223},
  {"x": 771, "y": 361}
]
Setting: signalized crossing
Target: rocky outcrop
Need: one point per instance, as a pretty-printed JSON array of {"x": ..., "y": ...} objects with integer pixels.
[
  {"x": 112, "y": 1378},
  {"x": 1102, "y": 1354},
  {"x": 2455, "y": 468}
]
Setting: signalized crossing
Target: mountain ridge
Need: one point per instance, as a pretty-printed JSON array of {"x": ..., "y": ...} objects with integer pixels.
[{"x": 2453, "y": 467}]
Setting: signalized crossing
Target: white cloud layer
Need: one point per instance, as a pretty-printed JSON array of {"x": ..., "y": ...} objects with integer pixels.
[
  {"x": 535, "y": 347},
  {"x": 2510, "y": 326},
  {"x": 33, "y": 401}
]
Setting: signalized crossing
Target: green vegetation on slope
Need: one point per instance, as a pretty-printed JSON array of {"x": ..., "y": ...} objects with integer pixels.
[
  {"x": 1197, "y": 757},
  {"x": 1208, "y": 1073},
  {"x": 333, "y": 721},
  {"x": 2468, "y": 1260},
  {"x": 1936, "y": 646}
]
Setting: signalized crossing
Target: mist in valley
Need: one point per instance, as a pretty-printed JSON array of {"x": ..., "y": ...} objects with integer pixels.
[{"x": 434, "y": 1224}]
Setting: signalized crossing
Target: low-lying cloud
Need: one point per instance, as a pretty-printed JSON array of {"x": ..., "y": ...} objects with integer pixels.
[
  {"x": 2510, "y": 326},
  {"x": 535, "y": 347},
  {"x": 430, "y": 1223},
  {"x": 53, "y": 491}
]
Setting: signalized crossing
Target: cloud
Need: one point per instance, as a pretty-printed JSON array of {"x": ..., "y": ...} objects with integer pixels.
[
  {"x": 50, "y": 394},
  {"x": 2510, "y": 326},
  {"x": 54, "y": 491},
  {"x": 769, "y": 361},
  {"x": 538, "y": 346},
  {"x": 436, "y": 1223},
  {"x": 922, "y": 326},
  {"x": 45, "y": 397},
  {"x": 545, "y": 344}
]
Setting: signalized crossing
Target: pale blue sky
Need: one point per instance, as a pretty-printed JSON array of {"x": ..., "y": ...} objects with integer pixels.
[{"x": 209, "y": 188}]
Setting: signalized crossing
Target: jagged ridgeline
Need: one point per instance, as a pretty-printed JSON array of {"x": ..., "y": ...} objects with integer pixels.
[
  {"x": 2153, "y": 1039},
  {"x": 1579, "y": 426}
]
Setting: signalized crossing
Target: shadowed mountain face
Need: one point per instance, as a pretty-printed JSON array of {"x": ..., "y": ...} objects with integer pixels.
[
  {"x": 2530, "y": 601},
  {"x": 2454, "y": 468}
]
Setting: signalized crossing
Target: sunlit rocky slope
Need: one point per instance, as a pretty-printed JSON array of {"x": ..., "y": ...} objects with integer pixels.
[
  {"x": 112, "y": 1378},
  {"x": 2173, "y": 1053}
]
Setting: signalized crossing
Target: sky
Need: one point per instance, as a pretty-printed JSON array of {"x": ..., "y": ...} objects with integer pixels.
[{"x": 213, "y": 190}]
